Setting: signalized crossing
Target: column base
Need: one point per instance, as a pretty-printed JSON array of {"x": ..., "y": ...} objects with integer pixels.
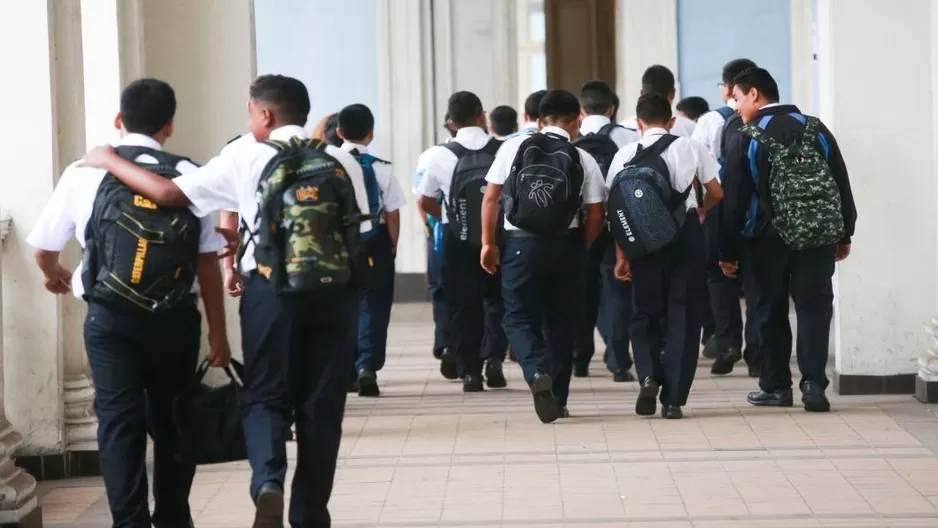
[
  {"x": 32, "y": 520},
  {"x": 856, "y": 385},
  {"x": 410, "y": 287},
  {"x": 59, "y": 466},
  {"x": 926, "y": 391}
]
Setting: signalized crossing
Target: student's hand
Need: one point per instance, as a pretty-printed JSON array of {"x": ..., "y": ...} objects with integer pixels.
[
  {"x": 843, "y": 251},
  {"x": 623, "y": 270},
  {"x": 59, "y": 281},
  {"x": 219, "y": 354},
  {"x": 489, "y": 259},
  {"x": 234, "y": 283},
  {"x": 232, "y": 241},
  {"x": 701, "y": 215},
  {"x": 99, "y": 157},
  {"x": 729, "y": 268}
]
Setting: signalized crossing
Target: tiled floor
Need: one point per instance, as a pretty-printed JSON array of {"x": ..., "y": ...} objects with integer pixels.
[{"x": 427, "y": 455}]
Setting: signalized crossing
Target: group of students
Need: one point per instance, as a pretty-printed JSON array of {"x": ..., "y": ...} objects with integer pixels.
[
  {"x": 539, "y": 234},
  {"x": 649, "y": 231}
]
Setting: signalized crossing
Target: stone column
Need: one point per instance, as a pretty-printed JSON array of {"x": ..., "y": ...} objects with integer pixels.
[
  {"x": 887, "y": 287},
  {"x": 647, "y": 31},
  {"x": 19, "y": 506}
]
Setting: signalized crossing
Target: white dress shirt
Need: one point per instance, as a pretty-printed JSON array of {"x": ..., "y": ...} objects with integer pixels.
[
  {"x": 592, "y": 190},
  {"x": 620, "y": 135},
  {"x": 683, "y": 127},
  {"x": 390, "y": 195},
  {"x": 441, "y": 163},
  {"x": 686, "y": 160},
  {"x": 709, "y": 130},
  {"x": 230, "y": 180},
  {"x": 68, "y": 211}
]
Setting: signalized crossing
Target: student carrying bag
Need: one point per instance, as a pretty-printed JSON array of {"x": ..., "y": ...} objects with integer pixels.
[
  {"x": 543, "y": 189},
  {"x": 208, "y": 419},
  {"x": 137, "y": 255},
  {"x": 464, "y": 209},
  {"x": 645, "y": 213},
  {"x": 306, "y": 235}
]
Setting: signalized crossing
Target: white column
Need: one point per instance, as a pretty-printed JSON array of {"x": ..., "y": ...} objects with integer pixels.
[
  {"x": 405, "y": 87},
  {"x": 802, "y": 54},
  {"x": 887, "y": 288},
  {"x": 33, "y": 361},
  {"x": 926, "y": 383},
  {"x": 647, "y": 34}
]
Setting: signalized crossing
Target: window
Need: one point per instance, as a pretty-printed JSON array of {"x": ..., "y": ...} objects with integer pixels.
[{"x": 532, "y": 60}]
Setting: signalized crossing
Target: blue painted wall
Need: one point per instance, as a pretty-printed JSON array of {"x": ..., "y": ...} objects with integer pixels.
[
  {"x": 329, "y": 45},
  {"x": 714, "y": 32}
]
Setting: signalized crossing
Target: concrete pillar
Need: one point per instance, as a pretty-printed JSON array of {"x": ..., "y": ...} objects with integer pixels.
[
  {"x": 887, "y": 288},
  {"x": 647, "y": 34}
]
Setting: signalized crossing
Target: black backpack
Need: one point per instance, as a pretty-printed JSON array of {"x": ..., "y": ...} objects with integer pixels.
[
  {"x": 137, "y": 255},
  {"x": 645, "y": 213},
  {"x": 543, "y": 189},
  {"x": 306, "y": 235},
  {"x": 600, "y": 145},
  {"x": 464, "y": 208}
]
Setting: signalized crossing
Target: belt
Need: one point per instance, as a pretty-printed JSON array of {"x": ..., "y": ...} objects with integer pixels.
[{"x": 520, "y": 233}]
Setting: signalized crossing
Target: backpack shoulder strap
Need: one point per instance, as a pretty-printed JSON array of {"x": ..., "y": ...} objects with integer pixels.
[
  {"x": 456, "y": 148},
  {"x": 725, "y": 111},
  {"x": 492, "y": 146},
  {"x": 757, "y": 133},
  {"x": 607, "y": 129},
  {"x": 658, "y": 147}
]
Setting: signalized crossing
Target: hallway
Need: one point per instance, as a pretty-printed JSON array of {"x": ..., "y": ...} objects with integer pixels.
[{"x": 426, "y": 455}]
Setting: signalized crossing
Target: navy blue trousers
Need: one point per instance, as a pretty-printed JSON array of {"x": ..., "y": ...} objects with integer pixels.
[
  {"x": 139, "y": 363},
  {"x": 596, "y": 303},
  {"x": 375, "y": 306},
  {"x": 667, "y": 289},
  {"x": 619, "y": 308},
  {"x": 542, "y": 288},
  {"x": 298, "y": 350},
  {"x": 441, "y": 316}
]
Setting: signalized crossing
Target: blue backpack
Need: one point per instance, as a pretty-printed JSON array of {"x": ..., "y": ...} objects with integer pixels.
[{"x": 372, "y": 190}]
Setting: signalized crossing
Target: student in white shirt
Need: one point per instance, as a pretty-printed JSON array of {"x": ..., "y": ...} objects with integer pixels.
[
  {"x": 503, "y": 122},
  {"x": 667, "y": 286},
  {"x": 467, "y": 287},
  {"x": 296, "y": 345},
  {"x": 531, "y": 115},
  {"x": 660, "y": 80},
  {"x": 139, "y": 359},
  {"x": 725, "y": 347},
  {"x": 602, "y": 139},
  {"x": 542, "y": 275},
  {"x": 385, "y": 198}
]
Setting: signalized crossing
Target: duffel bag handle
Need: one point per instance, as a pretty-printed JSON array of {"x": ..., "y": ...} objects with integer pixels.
[{"x": 234, "y": 371}]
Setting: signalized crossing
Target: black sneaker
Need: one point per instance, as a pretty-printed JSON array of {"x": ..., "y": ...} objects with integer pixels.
[
  {"x": 472, "y": 383},
  {"x": 449, "y": 368},
  {"x": 368, "y": 384},
  {"x": 544, "y": 403},
  {"x": 813, "y": 398},
  {"x": 725, "y": 363},
  {"x": 779, "y": 398},
  {"x": 647, "y": 402},
  {"x": 622, "y": 376},
  {"x": 494, "y": 375},
  {"x": 269, "y": 512}
]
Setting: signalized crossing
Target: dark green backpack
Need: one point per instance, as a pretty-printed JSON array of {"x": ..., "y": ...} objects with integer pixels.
[{"x": 803, "y": 192}]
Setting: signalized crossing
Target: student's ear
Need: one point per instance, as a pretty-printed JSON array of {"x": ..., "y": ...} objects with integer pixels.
[
  {"x": 339, "y": 133},
  {"x": 119, "y": 122},
  {"x": 671, "y": 123},
  {"x": 169, "y": 129},
  {"x": 671, "y": 95}
]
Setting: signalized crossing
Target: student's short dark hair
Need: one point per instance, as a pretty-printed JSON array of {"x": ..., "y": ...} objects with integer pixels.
[
  {"x": 147, "y": 105},
  {"x": 559, "y": 105},
  {"x": 464, "y": 109},
  {"x": 615, "y": 104},
  {"x": 597, "y": 98},
  {"x": 653, "y": 109},
  {"x": 330, "y": 131},
  {"x": 532, "y": 104},
  {"x": 734, "y": 68},
  {"x": 761, "y": 80},
  {"x": 356, "y": 122},
  {"x": 658, "y": 79},
  {"x": 287, "y": 94},
  {"x": 504, "y": 120},
  {"x": 693, "y": 107}
]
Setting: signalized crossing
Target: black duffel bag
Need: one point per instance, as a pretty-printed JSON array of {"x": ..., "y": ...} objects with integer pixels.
[{"x": 208, "y": 419}]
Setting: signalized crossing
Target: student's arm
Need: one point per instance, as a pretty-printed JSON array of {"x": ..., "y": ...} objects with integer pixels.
[
  {"x": 594, "y": 196},
  {"x": 489, "y": 257},
  {"x": 594, "y": 219},
  {"x": 431, "y": 207},
  {"x": 157, "y": 188},
  {"x": 393, "y": 219},
  {"x": 58, "y": 279},
  {"x": 708, "y": 171},
  {"x": 429, "y": 188},
  {"x": 53, "y": 230},
  {"x": 848, "y": 206},
  {"x": 737, "y": 189},
  {"x": 394, "y": 200},
  {"x": 233, "y": 283},
  {"x": 210, "y": 283}
]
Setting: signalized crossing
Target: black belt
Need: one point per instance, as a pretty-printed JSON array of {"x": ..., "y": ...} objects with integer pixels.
[{"x": 520, "y": 233}]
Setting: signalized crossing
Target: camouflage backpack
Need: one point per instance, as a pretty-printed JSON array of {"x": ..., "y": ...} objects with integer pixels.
[
  {"x": 306, "y": 235},
  {"x": 804, "y": 194}
]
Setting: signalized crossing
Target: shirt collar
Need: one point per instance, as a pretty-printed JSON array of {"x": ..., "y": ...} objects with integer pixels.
[
  {"x": 289, "y": 131},
  {"x": 654, "y": 131},
  {"x": 770, "y": 105},
  {"x": 593, "y": 123},
  {"x": 470, "y": 133},
  {"x": 556, "y": 130},
  {"x": 349, "y": 146},
  {"x": 140, "y": 140},
  {"x": 530, "y": 125}
]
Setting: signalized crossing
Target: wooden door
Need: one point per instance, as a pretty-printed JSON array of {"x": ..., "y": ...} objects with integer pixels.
[{"x": 581, "y": 42}]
